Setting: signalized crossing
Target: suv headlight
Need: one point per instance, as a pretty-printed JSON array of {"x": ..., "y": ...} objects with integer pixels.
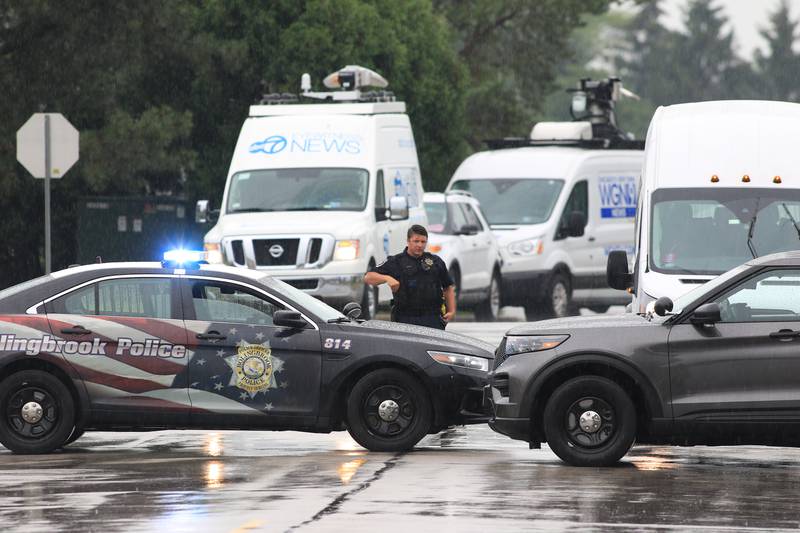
[
  {"x": 346, "y": 250},
  {"x": 527, "y": 247},
  {"x": 456, "y": 359},
  {"x": 213, "y": 252},
  {"x": 532, "y": 343}
]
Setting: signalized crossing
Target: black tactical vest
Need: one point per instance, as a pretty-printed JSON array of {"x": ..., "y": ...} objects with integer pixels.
[{"x": 420, "y": 290}]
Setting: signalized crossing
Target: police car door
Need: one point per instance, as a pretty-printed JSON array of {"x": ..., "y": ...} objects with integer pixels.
[
  {"x": 125, "y": 338},
  {"x": 245, "y": 370}
]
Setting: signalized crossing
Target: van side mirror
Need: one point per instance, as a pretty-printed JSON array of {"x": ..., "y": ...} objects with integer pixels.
[
  {"x": 663, "y": 306},
  {"x": 398, "y": 208},
  {"x": 351, "y": 310},
  {"x": 381, "y": 214},
  {"x": 288, "y": 319},
  {"x": 706, "y": 314},
  {"x": 467, "y": 229},
  {"x": 617, "y": 271},
  {"x": 203, "y": 212},
  {"x": 577, "y": 223}
]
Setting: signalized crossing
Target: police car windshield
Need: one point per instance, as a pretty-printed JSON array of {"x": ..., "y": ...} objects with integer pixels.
[
  {"x": 709, "y": 231},
  {"x": 316, "y": 307},
  {"x": 514, "y": 201},
  {"x": 298, "y": 189}
]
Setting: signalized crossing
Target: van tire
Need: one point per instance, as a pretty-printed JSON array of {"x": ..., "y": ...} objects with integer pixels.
[
  {"x": 489, "y": 309},
  {"x": 557, "y": 301}
]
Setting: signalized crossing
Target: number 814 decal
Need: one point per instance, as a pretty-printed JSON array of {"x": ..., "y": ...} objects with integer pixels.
[{"x": 336, "y": 344}]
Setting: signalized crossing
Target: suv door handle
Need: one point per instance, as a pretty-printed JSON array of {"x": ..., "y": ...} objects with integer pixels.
[
  {"x": 784, "y": 334},
  {"x": 212, "y": 336},
  {"x": 76, "y": 330},
  {"x": 591, "y": 239}
]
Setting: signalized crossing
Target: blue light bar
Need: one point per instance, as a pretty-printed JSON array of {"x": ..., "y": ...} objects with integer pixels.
[{"x": 182, "y": 257}]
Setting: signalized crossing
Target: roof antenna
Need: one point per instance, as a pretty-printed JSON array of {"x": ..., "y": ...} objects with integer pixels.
[{"x": 98, "y": 259}]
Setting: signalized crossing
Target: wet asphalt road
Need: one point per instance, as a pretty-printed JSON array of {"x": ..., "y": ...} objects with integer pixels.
[{"x": 464, "y": 479}]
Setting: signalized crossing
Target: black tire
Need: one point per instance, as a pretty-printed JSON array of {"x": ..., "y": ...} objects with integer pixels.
[
  {"x": 489, "y": 309},
  {"x": 369, "y": 309},
  {"x": 75, "y": 435},
  {"x": 455, "y": 273},
  {"x": 611, "y": 433},
  {"x": 599, "y": 308},
  {"x": 57, "y": 418},
  {"x": 557, "y": 301},
  {"x": 382, "y": 433}
]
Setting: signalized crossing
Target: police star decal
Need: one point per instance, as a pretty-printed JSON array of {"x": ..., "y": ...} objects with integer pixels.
[{"x": 254, "y": 368}]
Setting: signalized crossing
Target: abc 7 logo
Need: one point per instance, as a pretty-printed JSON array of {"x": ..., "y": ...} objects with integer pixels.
[{"x": 271, "y": 145}]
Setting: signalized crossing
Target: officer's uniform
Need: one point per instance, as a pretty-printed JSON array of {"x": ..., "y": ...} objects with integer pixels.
[{"x": 422, "y": 281}]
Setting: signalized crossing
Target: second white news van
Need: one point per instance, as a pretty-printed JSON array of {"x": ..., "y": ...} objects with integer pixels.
[
  {"x": 559, "y": 203},
  {"x": 720, "y": 186},
  {"x": 318, "y": 193}
]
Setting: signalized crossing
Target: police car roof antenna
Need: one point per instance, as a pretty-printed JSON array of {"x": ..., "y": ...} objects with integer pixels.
[{"x": 595, "y": 102}]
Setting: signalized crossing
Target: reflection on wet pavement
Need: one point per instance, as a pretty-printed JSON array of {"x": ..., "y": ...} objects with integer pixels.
[{"x": 463, "y": 479}]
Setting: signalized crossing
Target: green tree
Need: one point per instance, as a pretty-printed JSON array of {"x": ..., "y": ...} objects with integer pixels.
[{"x": 779, "y": 67}]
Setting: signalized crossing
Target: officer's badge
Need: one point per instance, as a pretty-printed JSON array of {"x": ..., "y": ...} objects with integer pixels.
[
  {"x": 427, "y": 263},
  {"x": 254, "y": 367}
]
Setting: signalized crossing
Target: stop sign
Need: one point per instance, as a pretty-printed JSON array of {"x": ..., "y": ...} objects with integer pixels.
[{"x": 31, "y": 145}]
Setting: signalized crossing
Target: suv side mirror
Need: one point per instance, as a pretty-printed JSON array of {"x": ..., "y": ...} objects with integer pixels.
[
  {"x": 351, "y": 310},
  {"x": 577, "y": 223},
  {"x": 288, "y": 319},
  {"x": 203, "y": 212},
  {"x": 398, "y": 208},
  {"x": 617, "y": 271},
  {"x": 468, "y": 229},
  {"x": 706, "y": 314},
  {"x": 663, "y": 306}
]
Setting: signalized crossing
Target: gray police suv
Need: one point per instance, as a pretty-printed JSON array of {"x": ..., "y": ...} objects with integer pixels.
[{"x": 719, "y": 366}]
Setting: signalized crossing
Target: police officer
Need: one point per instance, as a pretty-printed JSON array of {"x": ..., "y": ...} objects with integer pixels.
[{"x": 418, "y": 280}]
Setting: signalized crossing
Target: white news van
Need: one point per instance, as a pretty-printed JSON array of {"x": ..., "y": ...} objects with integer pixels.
[
  {"x": 318, "y": 193},
  {"x": 720, "y": 185},
  {"x": 558, "y": 203}
]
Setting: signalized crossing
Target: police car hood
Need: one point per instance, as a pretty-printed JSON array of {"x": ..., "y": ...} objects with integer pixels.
[
  {"x": 289, "y": 222},
  {"x": 434, "y": 338},
  {"x": 609, "y": 324}
]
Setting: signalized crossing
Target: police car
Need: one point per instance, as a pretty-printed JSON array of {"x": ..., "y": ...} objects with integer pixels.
[
  {"x": 717, "y": 366},
  {"x": 144, "y": 346}
]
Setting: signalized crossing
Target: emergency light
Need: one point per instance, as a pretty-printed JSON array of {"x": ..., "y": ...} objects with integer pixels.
[{"x": 180, "y": 258}]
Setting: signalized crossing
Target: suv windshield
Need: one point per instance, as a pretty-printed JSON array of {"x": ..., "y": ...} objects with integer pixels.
[
  {"x": 709, "y": 231},
  {"x": 514, "y": 201},
  {"x": 298, "y": 189}
]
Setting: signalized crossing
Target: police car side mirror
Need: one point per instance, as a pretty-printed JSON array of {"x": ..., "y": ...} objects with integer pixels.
[
  {"x": 352, "y": 310},
  {"x": 706, "y": 314},
  {"x": 398, "y": 208},
  {"x": 203, "y": 212},
  {"x": 617, "y": 273},
  {"x": 288, "y": 319},
  {"x": 577, "y": 223}
]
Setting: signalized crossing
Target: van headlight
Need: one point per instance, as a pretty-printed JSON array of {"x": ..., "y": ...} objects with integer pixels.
[
  {"x": 346, "y": 250},
  {"x": 213, "y": 252},
  {"x": 532, "y": 343},
  {"x": 457, "y": 359},
  {"x": 527, "y": 247}
]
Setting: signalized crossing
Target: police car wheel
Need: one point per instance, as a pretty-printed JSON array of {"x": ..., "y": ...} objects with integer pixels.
[
  {"x": 590, "y": 421},
  {"x": 388, "y": 411},
  {"x": 37, "y": 413}
]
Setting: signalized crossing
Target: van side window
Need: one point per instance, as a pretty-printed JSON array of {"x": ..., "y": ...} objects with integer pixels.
[{"x": 578, "y": 201}]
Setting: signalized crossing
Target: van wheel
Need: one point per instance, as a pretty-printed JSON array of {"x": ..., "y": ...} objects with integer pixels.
[
  {"x": 369, "y": 302},
  {"x": 557, "y": 302},
  {"x": 590, "y": 421},
  {"x": 37, "y": 413},
  {"x": 388, "y": 411},
  {"x": 489, "y": 309}
]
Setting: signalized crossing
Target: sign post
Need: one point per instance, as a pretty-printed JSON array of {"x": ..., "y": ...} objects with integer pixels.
[{"x": 47, "y": 146}]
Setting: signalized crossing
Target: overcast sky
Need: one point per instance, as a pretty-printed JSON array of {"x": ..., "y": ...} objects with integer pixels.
[{"x": 747, "y": 17}]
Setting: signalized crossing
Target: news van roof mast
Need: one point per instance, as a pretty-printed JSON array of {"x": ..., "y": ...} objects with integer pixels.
[
  {"x": 594, "y": 125},
  {"x": 349, "y": 80}
]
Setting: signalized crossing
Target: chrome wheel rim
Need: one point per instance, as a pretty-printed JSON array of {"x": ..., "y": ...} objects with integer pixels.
[
  {"x": 494, "y": 298},
  {"x": 560, "y": 300}
]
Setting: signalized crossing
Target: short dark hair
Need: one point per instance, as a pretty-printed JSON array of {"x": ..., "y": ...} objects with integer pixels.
[{"x": 417, "y": 229}]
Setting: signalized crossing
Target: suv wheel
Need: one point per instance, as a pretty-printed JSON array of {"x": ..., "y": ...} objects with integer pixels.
[
  {"x": 590, "y": 421},
  {"x": 37, "y": 413},
  {"x": 388, "y": 411},
  {"x": 489, "y": 309},
  {"x": 369, "y": 302}
]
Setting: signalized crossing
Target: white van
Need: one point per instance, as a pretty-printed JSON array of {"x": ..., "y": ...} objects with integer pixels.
[
  {"x": 557, "y": 208},
  {"x": 318, "y": 193},
  {"x": 720, "y": 186}
]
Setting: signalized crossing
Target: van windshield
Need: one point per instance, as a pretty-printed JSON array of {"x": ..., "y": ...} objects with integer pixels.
[
  {"x": 514, "y": 201},
  {"x": 298, "y": 189},
  {"x": 710, "y": 231}
]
